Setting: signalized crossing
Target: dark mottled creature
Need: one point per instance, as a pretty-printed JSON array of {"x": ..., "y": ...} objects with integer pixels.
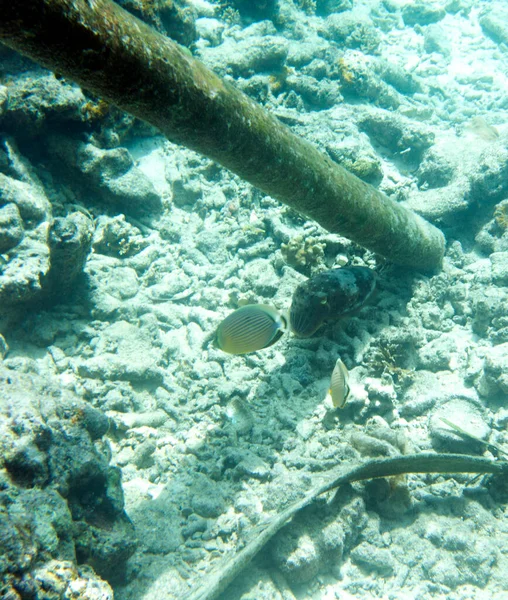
[{"x": 329, "y": 296}]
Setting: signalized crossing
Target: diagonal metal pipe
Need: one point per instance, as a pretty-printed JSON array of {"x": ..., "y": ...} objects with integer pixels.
[{"x": 116, "y": 56}]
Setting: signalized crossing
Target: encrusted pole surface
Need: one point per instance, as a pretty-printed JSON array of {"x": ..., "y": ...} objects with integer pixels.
[
  {"x": 425, "y": 462},
  {"x": 116, "y": 56}
]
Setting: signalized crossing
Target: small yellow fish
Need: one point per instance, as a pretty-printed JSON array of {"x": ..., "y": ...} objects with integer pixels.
[
  {"x": 250, "y": 328},
  {"x": 339, "y": 388}
]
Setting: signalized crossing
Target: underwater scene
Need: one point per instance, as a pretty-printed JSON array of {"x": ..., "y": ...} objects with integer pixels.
[{"x": 253, "y": 299}]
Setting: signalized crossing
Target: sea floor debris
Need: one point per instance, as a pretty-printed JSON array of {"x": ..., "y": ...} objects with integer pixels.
[
  {"x": 214, "y": 585},
  {"x": 213, "y": 447}
]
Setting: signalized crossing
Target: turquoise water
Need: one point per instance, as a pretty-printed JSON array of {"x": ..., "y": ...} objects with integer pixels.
[{"x": 138, "y": 458}]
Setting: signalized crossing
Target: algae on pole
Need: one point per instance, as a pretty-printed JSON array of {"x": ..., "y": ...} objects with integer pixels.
[{"x": 118, "y": 57}]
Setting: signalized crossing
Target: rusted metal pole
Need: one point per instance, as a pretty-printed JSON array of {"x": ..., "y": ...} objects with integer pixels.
[{"x": 116, "y": 56}]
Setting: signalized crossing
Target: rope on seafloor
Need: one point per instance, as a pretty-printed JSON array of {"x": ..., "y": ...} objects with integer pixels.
[{"x": 216, "y": 583}]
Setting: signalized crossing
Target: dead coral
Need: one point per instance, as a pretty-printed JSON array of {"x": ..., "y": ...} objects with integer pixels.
[
  {"x": 308, "y": 6},
  {"x": 501, "y": 214},
  {"x": 386, "y": 359},
  {"x": 305, "y": 254}
]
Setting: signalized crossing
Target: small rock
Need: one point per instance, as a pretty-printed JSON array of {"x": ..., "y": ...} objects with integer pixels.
[
  {"x": 37, "y": 101},
  {"x": 466, "y": 414},
  {"x": 420, "y": 397},
  {"x": 143, "y": 454},
  {"x": 495, "y": 371},
  {"x": 297, "y": 555},
  {"x": 210, "y": 29},
  {"x": 194, "y": 525},
  {"x": 329, "y": 7},
  {"x": 405, "y": 138},
  {"x": 11, "y": 227},
  {"x": 111, "y": 175},
  {"x": 368, "y": 445},
  {"x": 70, "y": 241},
  {"x": 69, "y": 581},
  {"x": 253, "y": 466},
  {"x": 123, "y": 352},
  {"x": 351, "y": 31},
  {"x": 153, "y": 419},
  {"x": 422, "y": 13},
  {"x": 172, "y": 283},
  {"x": 435, "y": 170},
  {"x": 372, "y": 558},
  {"x": 494, "y": 25},
  {"x": 260, "y": 277},
  {"x": 207, "y": 499},
  {"x": 122, "y": 283},
  {"x": 438, "y": 354},
  {"x": 246, "y": 57},
  {"x": 435, "y": 40},
  {"x": 114, "y": 236},
  {"x": 499, "y": 262},
  {"x": 160, "y": 523}
]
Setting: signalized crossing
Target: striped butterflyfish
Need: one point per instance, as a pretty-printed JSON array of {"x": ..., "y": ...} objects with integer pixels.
[
  {"x": 339, "y": 388},
  {"x": 250, "y": 328}
]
